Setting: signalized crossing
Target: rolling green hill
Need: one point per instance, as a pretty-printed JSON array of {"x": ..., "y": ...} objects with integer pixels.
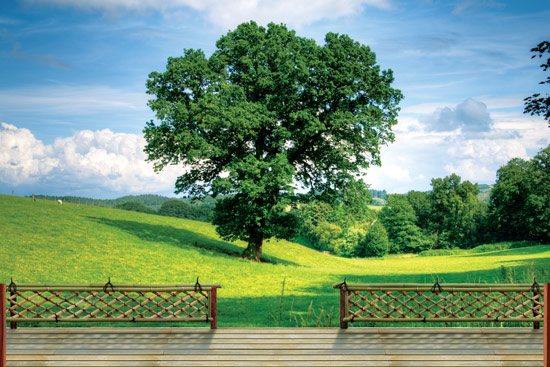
[{"x": 43, "y": 242}]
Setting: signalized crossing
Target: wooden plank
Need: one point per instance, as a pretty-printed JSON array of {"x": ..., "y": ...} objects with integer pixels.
[
  {"x": 275, "y": 347},
  {"x": 266, "y": 357},
  {"x": 455, "y": 363}
]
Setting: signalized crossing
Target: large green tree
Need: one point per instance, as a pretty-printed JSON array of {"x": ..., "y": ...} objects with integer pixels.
[
  {"x": 399, "y": 219},
  {"x": 508, "y": 200},
  {"x": 266, "y": 112},
  {"x": 456, "y": 212},
  {"x": 520, "y": 200}
]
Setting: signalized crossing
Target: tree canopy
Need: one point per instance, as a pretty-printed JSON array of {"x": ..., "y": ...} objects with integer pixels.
[{"x": 268, "y": 112}]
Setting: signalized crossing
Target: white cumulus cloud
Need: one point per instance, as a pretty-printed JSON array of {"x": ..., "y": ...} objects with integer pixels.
[
  {"x": 98, "y": 161},
  {"x": 23, "y": 158},
  {"x": 229, "y": 13},
  {"x": 468, "y": 139}
]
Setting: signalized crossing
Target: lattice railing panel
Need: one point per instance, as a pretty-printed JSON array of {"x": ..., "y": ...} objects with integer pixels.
[
  {"x": 94, "y": 303},
  {"x": 444, "y": 303}
]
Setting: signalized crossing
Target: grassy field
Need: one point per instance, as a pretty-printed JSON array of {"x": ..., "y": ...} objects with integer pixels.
[{"x": 42, "y": 242}]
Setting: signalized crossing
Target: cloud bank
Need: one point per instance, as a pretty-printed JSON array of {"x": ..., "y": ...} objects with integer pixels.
[
  {"x": 465, "y": 139},
  {"x": 101, "y": 162}
]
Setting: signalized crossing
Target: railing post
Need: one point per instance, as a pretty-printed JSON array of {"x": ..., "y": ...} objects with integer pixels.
[
  {"x": 546, "y": 329},
  {"x": 13, "y": 303},
  {"x": 3, "y": 330},
  {"x": 343, "y": 308},
  {"x": 213, "y": 308}
]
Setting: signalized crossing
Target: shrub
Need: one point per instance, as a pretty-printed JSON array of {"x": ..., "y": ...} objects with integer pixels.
[
  {"x": 349, "y": 244},
  {"x": 327, "y": 234},
  {"x": 375, "y": 243}
]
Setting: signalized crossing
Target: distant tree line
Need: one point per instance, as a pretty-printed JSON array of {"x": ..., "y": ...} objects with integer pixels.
[
  {"x": 189, "y": 208},
  {"x": 379, "y": 197},
  {"x": 151, "y": 201},
  {"x": 452, "y": 215}
]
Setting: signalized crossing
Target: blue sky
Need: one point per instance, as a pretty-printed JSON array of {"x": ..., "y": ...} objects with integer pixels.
[{"x": 73, "y": 102}]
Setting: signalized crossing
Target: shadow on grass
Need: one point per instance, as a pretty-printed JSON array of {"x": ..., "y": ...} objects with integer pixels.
[{"x": 180, "y": 238}]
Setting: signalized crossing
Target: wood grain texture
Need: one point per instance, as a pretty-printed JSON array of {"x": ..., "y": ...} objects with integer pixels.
[{"x": 398, "y": 347}]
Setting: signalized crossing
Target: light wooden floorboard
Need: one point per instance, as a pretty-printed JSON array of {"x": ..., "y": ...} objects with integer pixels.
[{"x": 397, "y": 347}]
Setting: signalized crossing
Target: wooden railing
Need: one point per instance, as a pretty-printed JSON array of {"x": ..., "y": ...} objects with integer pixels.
[
  {"x": 108, "y": 303},
  {"x": 441, "y": 303}
]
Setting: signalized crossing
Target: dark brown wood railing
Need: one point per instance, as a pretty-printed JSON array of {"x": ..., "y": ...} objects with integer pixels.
[
  {"x": 3, "y": 332},
  {"x": 108, "y": 303},
  {"x": 441, "y": 303}
]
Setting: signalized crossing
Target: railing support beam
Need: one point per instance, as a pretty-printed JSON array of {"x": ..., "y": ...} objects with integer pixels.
[
  {"x": 343, "y": 308},
  {"x": 12, "y": 303},
  {"x": 3, "y": 330},
  {"x": 214, "y": 308},
  {"x": 546, "y": 329}
]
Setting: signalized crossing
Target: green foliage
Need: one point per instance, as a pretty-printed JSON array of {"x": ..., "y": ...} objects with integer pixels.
[
  {"x": 266, "y": 110},
  {"x": 535, "y": 104},
  {"x": 376, "y": 242},
  {"x": 46, "y": 243},
  {"x": 538, "y": 202},
  {"x": 328, "y": 233},
  {"x": 311, "y": 215},
  {"x": 354, "y": 204},
  {"x": 202, "y": 210},
  {"x": 151, "y": 201},
  {"x": 339, "y": 227},
  {"x": 520, "y": 200},
  {"x": 509, "y": 198},
  {"x": 349, "y": 244},
  {"x": 135, "y": 206},
  {"x": 456, "y": 213},
  {"x": 399, "y": 219},
  {"x": 421, "y": 205},
  {"x": 176, "y": 208}
]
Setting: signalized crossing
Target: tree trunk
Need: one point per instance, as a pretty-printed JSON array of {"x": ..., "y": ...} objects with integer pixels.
[{"x": 254, "y": 249}]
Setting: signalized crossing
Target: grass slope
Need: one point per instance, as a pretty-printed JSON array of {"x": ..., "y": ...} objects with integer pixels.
[{"x": 43, "y": 242}]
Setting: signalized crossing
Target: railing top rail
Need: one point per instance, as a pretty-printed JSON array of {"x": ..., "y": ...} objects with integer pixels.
[
  {"x": 116, "y": 287},
  {"x": 438, "y": 287}
]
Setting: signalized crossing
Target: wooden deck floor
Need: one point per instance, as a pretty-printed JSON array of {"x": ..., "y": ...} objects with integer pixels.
[{"x": 274, "y": 347}]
